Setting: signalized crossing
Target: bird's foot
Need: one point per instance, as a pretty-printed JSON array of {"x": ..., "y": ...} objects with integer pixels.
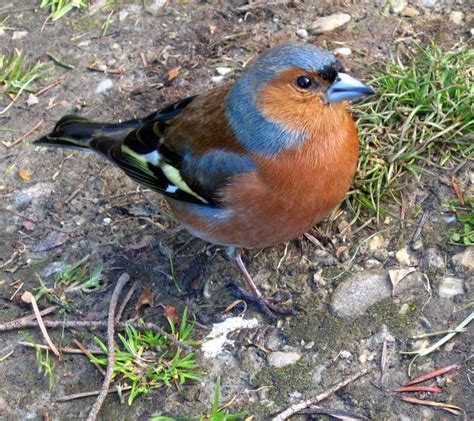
[{"x": 268, "y": 306}]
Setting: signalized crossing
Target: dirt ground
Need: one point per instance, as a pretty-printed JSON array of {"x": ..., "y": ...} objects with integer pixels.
[{"x": 72, "y": 204}]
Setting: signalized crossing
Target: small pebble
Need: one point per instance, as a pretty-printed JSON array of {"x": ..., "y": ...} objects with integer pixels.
[
  {"x": 410, "y": 12},
  {"x": 106, "y": 221},
  {"x": 32, "y": 100},
  {"x": 429, "y": 3},
  {"x": 104, "y": 86},
  {"x": 376, "y": 243},
  {"x": 397, "y": 6},
  {"x": 456, "y": 17},
  {"x": 403, "y": 257},
  {"x": 19, "y": 34},
  {"x": 329, "y": 23},
  {"x": 450, "y": 287},
  {"x": 282, "y": 359},
  {"x": 417, "y": 245},
  {"x": 404, "y": 309},
  {"x": 302, "y": 33},
  {"x": 464, "y": 262},
  {"x": 345, "y": 355},
  {"x": 223, "y": 70},
  {"x": 217, "y": 79},
  {"x": 343, "y": 51}
]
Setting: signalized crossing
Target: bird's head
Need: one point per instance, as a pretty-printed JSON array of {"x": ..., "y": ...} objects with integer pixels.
[{"x": 286, "y": 90}]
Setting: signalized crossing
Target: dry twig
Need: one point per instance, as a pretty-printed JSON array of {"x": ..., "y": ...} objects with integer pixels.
[
  {"x": 87, "y": 394},
  {"x": 9, "y": 145},
  {"x": 28, "y": 297},
  {"x": 124, "y": 278},
  {"x": 432, "y": 374}
]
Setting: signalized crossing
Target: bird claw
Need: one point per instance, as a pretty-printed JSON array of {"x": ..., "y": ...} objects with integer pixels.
[{"x": 268, "y": 306}]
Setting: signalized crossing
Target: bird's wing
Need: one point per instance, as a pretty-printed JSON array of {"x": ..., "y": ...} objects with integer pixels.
[{"x": 185, "y": 151}]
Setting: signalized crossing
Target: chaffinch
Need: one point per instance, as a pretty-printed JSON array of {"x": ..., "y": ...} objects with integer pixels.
[{"x": 252, "y": 163}]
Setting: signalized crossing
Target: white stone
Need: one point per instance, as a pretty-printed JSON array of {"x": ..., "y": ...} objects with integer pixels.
[
  {"x": 217, "y": 79},
  {"x": 32, "y": 100},
  {"x": 224, "y": 70},
  {"x": 456, "y": 17},
  {"x": 464, "y": 262},
  {"x": 104, "y": 86},
  {"x": 450, "y": 287},
  {"x": 329, "y": 23},
  {"x": 397, "y": 6},
  {"x": 302, "y": 33},
  {"x": 343, "y": 51},
  {"x": 19, "y": 34},
  {"x": 403, "y": 257},
  {"x": 376, "y": 243},
  {"x": 280, "y": 359},
  {"x": 345, "y": 355},
  {"x": 429, "y": 3}
]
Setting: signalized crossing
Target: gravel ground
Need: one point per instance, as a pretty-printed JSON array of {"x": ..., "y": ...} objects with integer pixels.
[{"x": 60, "y": 205}]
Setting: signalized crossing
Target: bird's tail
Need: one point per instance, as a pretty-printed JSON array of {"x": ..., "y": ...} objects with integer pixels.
[{"x": 73, "y": 131}]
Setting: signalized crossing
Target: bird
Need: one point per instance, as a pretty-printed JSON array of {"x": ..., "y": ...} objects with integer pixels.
[{"x": 249, "y": 164}]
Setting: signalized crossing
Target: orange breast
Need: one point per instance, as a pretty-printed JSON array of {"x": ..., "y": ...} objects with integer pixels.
[{"x": 289, "y": 193}]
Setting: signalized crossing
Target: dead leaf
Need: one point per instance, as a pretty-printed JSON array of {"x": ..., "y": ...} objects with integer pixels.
[
  {"x": 25, "y": 175},
  {"x": 146, "y": 299},
  {"x": 170, "y": 313},
  {"x": 457, "y": 190},
  {"x": 173, "y": 73},
  {"x": 52, "y": 240}
]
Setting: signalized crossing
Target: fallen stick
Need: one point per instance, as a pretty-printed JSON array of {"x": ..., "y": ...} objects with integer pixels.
[
  {"x": 28, "y": 297},
  {"x": 453, "y": 409},
  {"x": 9, "y": 145},
  {"x": 72, "y": 324},
  {"x": 295, "y": 408},
  {"x": 87, "y": 394},
  {"x": 124, "y": 278},
  {"x": 432, "y": 374},
  {"x": 65, "y": 350}
]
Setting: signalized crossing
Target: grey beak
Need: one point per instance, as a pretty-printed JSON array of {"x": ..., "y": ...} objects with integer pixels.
[{"x": 346, "y": 87}]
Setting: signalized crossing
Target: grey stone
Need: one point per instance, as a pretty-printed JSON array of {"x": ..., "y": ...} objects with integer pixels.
[
  {"x": 282, "y": 359},
  {"x": 26, "y": 196},
  {"x": 359, "y": 291},
  {"x": 432, "y": 260},
  {"x": 429, "y": 3},
  {"x": 464, "y": 262},
  {"x": 397, "y": 6},
  {"x": 104, "y": 86},
  {"x": 450, "y": 287}
]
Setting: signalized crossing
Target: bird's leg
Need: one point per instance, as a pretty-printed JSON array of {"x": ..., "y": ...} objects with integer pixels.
[{"x": 267, "y": 306}]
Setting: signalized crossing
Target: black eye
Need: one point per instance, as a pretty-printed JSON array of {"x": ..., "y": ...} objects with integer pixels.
[{"x": 303, "y": 82}]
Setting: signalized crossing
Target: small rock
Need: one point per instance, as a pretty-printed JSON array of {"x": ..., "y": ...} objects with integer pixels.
[
  {"x": 456, "y": 17},
  {"x": 376, "y": 243},
  {"x": 33, "y": 193},
  {"x": 317, "y": 374},
  {"x": 52, "y": 240},
  {"x": 52, "y": 269},
  {"x": 403, "y": 257},
  {"x": 417, "y": 245},
  {"x": 295, "y": 395},
  {"x": 363, "y": 358},
  {"x": 329, "y": 23},
  {"x": 409, "y": 12},
  {"x": 224, "y": 70},
  {"x": 282, "y": 359},
  {"x": 32, "y": 100},
  {"x": 397, "y": 6},
  {"x": 372, "y": 264},
  {"x": 343, "y": 51},
  {"x": 432, "y": 260},
  {"x": 123, "y": 15},
  {"x": 302, "y": 33},
  {"x": 19, "y": 34},
  {"x": 217, "y": 79},
  {"x": 450, "y": 287},
  {"x": 106, "y": 221},
  {"x": 359, "y": 291},
  {"x": 273, "y": 341},
  {"x": 104, "y": 86},
  {"x": 429, "y": 3},
  {"x": 464, "y": 262},
  {"x": 345, "y": 355},
  {"x": 404, "y": 309}
]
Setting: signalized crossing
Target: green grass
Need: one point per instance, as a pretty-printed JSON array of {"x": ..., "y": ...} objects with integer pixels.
[
  {"x": 147, "y": 360},
  {"x": 17, "y": 73},
  {"x": 420, "y": 119},
  {"x": 72, "y": 278},
  {"x": 45, "y": 365},
  {"x": 217, "y": 412},
  {"x": 60, "y": 8},
  {"x": 463, "y": 234}
]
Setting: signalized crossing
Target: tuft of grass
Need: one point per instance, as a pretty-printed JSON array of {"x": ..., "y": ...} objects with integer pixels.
[
  {"x": 74, "y": 277},
  {"x": 60, "y": 8},
  {"x": 45, "y": 365},
  {"x": 146, "y": 360},
  {"x": 217, "y": 413},
  {"x": 16, "y": 74},
  {"x": 421, "y": 119}
]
